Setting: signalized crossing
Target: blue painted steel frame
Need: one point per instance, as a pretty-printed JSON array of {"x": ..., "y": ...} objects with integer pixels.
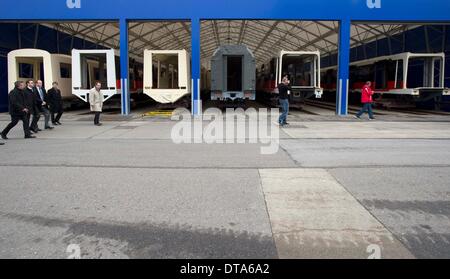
[
  {"x": 124, "y": 71},
  {"x": 343, "y": 67},
  {"x": 343, "y": 11},
  {"x": 196, "y": 107}
]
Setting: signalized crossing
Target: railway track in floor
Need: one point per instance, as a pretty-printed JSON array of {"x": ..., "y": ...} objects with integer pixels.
[
  {"x": 330, "y": 106},
  {"x": 354, "y": 109}
]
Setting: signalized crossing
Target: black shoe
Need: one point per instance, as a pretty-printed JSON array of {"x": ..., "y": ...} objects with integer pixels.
[
  {"x": 55, "y": 123},
  {"x": 357, "y": 117},
  {"x": 49, "y": 128},
  {"x": 34, "y": 131},
  {"x": 98, "y": 124},
  {"x": 39, "y": 130},
  {"x": 4, "y": 136},
  {"x": 2, "y": 143},
  {"x": 59, "y": 123},
  {"x": 285, "y": 123},
  {"x": 30, "y": 137}
]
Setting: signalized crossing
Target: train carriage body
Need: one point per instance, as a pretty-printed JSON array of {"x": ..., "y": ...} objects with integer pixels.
[
  {"x": 37, "y": 64},
  {"x": 233, "y": 74},
  {"x": 414, "y": 77},
  {"x": 89, "y": 66},
  {"x": 301, "y": 67},
  {"x": 167, "y": 76}
]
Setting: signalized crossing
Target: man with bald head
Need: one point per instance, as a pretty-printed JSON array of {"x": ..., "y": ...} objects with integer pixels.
[{"x": 19, "y": 109}]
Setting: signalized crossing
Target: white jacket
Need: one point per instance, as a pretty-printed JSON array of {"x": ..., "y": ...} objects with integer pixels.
[{"x": 96, "y": 100}]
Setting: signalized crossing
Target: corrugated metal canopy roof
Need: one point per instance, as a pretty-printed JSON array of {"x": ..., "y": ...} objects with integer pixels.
[{"x": 264, "y": 37}]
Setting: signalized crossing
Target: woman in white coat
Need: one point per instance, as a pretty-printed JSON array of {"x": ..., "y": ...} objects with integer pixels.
[{"x": 96, "y": 101}]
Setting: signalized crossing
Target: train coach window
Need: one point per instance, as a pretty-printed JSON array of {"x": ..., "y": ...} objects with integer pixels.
[
  {"x": 65, "y": 70},
  {"x": 416, "y": 72},
  {"x": 399, "y": 79},
  {"x": 299, "y": 69},
  {"x": 97, "y": 74},
  {"x": 437, "y": 73},
  {"x": 155, "y": 76},
  {"x": 165, "y": 70},
  {"x": 234, "y": 73},
  {"x": 26, "y": 70}
]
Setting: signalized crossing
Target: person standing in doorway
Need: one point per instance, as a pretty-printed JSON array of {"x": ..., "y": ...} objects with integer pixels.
[
  {"x": 283, "y": 96},
  {"x": 18, "y": 109},
  {"x": 41, "y": 106},
  {"x": 366, "y": 100},
  {"x": 55, "y": 103},
  {"x": 96, "y": 102}
]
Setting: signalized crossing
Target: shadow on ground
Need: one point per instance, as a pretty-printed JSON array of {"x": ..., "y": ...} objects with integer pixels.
[{"x": 146, "y": 240}]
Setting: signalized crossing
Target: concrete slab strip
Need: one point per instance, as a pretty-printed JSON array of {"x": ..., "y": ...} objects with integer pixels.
[{"x": 313, "y": 216}]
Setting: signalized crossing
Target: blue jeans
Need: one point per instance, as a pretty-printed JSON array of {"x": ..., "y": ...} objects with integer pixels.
[
  {"x": 284, "y": 103},
  {"x": 367, "y": 107}
]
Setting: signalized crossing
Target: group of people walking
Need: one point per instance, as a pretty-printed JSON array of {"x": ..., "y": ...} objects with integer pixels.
[{"x": 28, "y": 101}]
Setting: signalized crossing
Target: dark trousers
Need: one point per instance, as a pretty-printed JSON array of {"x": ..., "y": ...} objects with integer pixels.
[
  {"x": 58, "y": 113},
  {"x": 367, "y": 107},
  {"x": 28, "y": 116},
  {"x": 34, "y": 122},
  {"x": 14, "y": 120},
  {"x": 97, "y": 117},
  {"x": 46, "y": 114}
]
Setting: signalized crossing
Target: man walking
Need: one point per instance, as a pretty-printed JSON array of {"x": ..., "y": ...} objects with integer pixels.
[
  {"x": 30, "y": 100},
  {"x": 56, "y": 104},
  {"x": 366, "y": 100},
  {"x": 96, "y": 102},
  {"x": 41, "y": 106},
  {"x": 283, "y": 96},
  {"x": 18, "y": 109}
]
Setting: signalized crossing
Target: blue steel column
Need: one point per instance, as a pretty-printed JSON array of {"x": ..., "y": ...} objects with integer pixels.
[
  {"x": 125, "y": 97},
  {"x": 195, "y": 64},
  {"x": 343, "y": 67}
]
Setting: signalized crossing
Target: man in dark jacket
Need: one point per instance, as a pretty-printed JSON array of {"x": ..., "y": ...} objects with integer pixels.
[
  {"x": 31, "y": 102},
  {"x": 18, "y": 109},
  {"x": 283, "y": 97},
  {"x": 41, "y": 106},
  {"x": 55, "y": 103}
]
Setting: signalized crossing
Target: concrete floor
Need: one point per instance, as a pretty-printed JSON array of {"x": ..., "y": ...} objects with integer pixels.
[{"x": 337, "y": 188}]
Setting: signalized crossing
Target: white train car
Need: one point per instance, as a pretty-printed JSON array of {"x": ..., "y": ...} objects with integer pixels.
[
  {"x": 301, "y": 67},
  {"x": 415, "y": 74},
  {"x": 400, "y": 80},
  {"x": 37, "y": 64},
  {"x": 412, "y": 74},
  {"x": 91, "y": 65},
  {"x": 167, "y": 76}
]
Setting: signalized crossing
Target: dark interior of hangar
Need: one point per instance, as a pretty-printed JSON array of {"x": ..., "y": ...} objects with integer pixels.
[{"x": 265, "y": 38}]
